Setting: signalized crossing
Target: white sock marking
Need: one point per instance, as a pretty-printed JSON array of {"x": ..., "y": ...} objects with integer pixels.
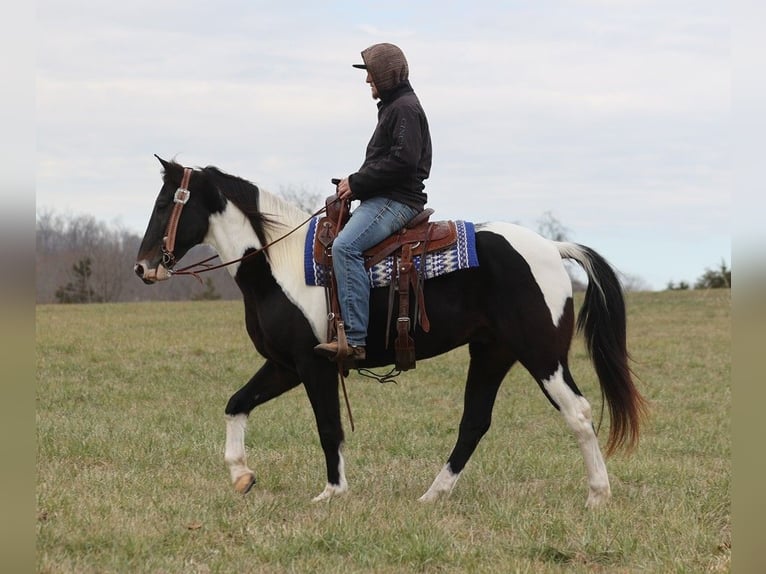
[
  {"x": 442, "y": 484},
  {"x": 331, "y": 490},
  {"x": 235, "y": 445},
  {"x": 577, "y": 414}
]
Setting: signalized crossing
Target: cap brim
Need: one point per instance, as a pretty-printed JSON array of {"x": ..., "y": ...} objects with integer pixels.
[{"x": 360, "y": 66}]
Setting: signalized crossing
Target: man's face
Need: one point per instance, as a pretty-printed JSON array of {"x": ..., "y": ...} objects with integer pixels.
[{"x": 375, "y": 94}]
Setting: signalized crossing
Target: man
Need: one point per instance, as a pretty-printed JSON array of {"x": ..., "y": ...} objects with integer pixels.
[{"x": 389, "y": 186}]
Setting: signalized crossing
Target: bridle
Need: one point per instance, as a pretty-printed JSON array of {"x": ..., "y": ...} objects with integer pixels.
[{"x": 180, "y": 198}]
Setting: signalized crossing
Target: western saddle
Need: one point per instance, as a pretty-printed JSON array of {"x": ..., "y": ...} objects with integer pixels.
[{"x": 418, "y": 237}]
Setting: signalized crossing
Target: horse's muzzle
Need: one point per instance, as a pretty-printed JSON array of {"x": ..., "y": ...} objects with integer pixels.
[{"x": 151, "y": 275}]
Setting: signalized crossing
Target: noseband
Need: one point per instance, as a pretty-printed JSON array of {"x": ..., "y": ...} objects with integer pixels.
[{"x": 179, "y": 200}]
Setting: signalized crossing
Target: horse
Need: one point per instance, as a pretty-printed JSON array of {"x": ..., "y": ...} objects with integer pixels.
[{"x": 515, "y": 306}]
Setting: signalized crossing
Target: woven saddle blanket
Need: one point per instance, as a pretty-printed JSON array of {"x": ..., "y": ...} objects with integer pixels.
[{"x": 461, "y": 255}]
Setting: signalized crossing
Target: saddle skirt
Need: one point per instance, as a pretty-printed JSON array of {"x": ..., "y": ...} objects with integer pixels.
[{"x": 452, "y": 247}]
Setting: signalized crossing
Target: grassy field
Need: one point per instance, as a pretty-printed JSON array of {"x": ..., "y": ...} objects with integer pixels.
[{"x": 130, "y": 472}]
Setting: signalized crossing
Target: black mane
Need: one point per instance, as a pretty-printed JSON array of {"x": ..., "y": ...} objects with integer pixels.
[{"x": 242, "y": 193}]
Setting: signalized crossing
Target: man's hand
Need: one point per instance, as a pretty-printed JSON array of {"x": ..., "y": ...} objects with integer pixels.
[{"x": 344, "y": 189}]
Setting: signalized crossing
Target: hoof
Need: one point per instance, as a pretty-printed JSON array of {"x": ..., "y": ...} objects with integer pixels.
[
  {"x": 442, "y": 485},
  {"x": 244, "y": 483},
  {"x": 330, "y": 491},
  {"x": 433, "y": 496},
  {"x": 597, "y": 499}
]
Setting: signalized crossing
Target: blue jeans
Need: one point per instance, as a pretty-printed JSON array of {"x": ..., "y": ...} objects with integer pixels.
[{"x": 371, "y": 222}]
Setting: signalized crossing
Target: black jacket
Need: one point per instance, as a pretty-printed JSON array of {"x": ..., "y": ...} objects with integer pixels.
[{"x": 398, "y": 157}]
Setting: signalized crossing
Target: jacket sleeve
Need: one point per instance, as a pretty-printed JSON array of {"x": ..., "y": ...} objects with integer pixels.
[{"x": 404, "y": 135}]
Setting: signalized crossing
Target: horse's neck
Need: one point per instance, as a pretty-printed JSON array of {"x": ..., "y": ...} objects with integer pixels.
[
  {"x": 287, "y": 215},
  {"x": 285, "y": 256},
  {"x": 231, "y": 234}
]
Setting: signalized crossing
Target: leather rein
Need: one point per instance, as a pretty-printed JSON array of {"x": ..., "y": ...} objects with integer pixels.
[{"x": 180, "y": 198}]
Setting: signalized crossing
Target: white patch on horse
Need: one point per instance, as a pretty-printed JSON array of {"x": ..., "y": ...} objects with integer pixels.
[
  {"x": 442, "y": 485},
  {"x": 544, "y": 261},
  {"x": 286, "y": 259},
  {"x": 577, "y": 414},
  {"x": 231, "y": 234}
]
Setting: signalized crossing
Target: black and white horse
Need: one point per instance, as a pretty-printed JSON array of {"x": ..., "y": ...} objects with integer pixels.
[{"x": 516, "y": 306}]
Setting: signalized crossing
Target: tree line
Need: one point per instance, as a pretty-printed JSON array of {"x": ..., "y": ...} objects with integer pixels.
[
  {"x": 713, "y": 278},
  {"x": 82, "y": 260}
]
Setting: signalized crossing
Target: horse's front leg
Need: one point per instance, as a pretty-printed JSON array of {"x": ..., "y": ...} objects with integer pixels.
[
  {"x": 270, "y": 381},
  {"x": 320, "y": 379}
]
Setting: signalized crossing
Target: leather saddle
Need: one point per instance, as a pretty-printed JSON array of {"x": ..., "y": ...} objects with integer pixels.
[{"x": 417, "y": 238}]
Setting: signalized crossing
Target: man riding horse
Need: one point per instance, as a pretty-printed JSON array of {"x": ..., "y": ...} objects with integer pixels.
[{"x": 389, "y": 186}]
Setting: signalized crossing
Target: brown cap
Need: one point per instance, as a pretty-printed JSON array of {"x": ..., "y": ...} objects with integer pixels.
[{"x": 386, "y": 64}]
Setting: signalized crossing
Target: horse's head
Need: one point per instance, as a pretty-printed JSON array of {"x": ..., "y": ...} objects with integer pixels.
[{"x": 179, "y": 221}]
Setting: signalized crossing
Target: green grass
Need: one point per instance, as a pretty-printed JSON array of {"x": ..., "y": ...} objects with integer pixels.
[{"x": 131, "y": 478}]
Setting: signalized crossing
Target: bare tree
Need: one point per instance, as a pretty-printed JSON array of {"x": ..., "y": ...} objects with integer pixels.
[
  {"x": 633, "y": 282},
  {"x": 299, "y": 196},
  {"x": 549, "y": 226}
]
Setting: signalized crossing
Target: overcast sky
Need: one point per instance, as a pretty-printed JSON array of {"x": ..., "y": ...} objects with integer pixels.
[{"x": 612, "y": 115}]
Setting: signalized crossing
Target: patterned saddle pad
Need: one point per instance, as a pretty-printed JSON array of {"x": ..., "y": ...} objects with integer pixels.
[{"x": 461, "y": 255}]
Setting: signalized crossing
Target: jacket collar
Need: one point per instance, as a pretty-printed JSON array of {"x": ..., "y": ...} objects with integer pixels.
[{"x": 390, "y": 95}]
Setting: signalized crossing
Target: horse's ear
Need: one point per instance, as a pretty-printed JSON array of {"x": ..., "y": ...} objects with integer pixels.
[{"x": 164, "y": 163}]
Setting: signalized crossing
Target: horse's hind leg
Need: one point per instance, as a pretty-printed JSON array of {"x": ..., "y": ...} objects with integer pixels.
[
  {"x": 486, "y": 371},
  {"x": 561, "y": 390},
  {"x": 270, "y": 381}
]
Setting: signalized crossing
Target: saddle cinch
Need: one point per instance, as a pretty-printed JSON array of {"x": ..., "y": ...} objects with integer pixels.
[{"x": 418, "y": 237}]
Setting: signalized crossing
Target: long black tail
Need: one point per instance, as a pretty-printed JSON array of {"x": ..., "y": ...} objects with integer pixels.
[{"x": 603, "y": 321}]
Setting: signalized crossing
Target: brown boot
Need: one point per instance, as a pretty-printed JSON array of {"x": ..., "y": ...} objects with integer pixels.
[{"x": 333, "y": 352}]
